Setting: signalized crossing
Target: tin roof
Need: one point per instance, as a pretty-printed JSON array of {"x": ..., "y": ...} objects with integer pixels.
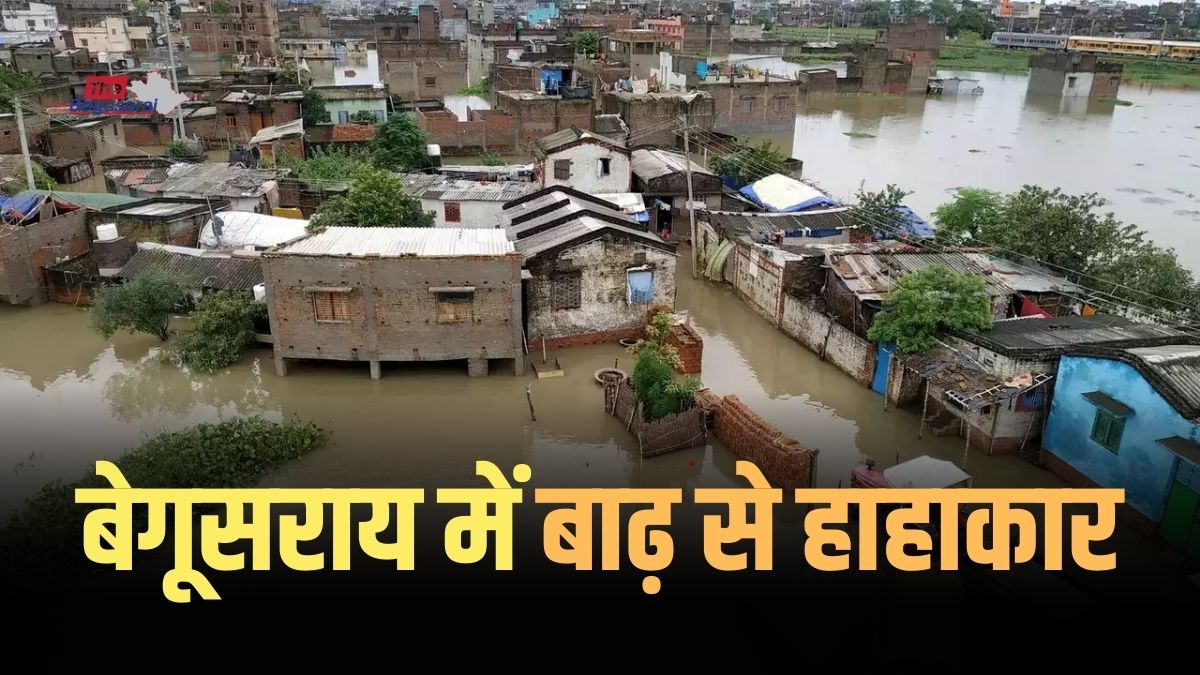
[
  {"x": 293, "y": 129},
  {"x": 445, "y": 188},
  {"x": 555, "y": 206},
  {"x": 423, "y": 242},
  {"x": 651, "y": 163},
  {"x": 162, "y": 209},
  {"x": 872, "y": 277},
  {"x": 580, "y": 228},
  {"x": 193, "y": 268},
  {"x": 734, "y": 223},
  {"x": 1034, "y": 335},
  {"x": 197, "y": 180},
  {"x": 90, "y": 200},
  {"x": 1174, "y": 370},
  {"x": 560, "y": 140}
]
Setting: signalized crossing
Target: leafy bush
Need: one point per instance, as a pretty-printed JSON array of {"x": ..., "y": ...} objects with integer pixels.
[
  {"x": 376, "y": 198},
  {"x": 238, "y": 453},
  {"x": 222, "y": 328},
  {"x": 748, "y": 163},
  {"x": 482, "y": 89},
  {"x": 178, "y": 148},
  {"x": 657, "y": 333},
  {"x": 655, "y": 390},
  {"x": 143, "y": 305},
  {"x": 924, "y": 304},
  {"x": 400, "y": 145}
]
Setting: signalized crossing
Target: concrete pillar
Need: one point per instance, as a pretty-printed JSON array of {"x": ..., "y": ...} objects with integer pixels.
[
  {"x": 376, "y": 371},
  {"x": 519, "y": 365},
  {"x": 281, "y": 366},
  {"x": 477, "y": 367}
]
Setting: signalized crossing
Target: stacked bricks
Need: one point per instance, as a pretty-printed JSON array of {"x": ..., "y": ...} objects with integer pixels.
[
  {"x": 784, "y": 462},
  {"x": 690, "y": 346}
]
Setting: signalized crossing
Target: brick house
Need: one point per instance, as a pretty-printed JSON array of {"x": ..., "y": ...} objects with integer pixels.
[
  {"x": 593, "y": 272},
  {"x": 242, "y": 27},
  {"x": 53, "y": 232},
  {"x": 539, "y": 115},
  {"x": 396, "y": 294},
  {"x": 241, "y": 114},
  {"x": 648, "y": 115},
  {"x": 583, "y": 160}
]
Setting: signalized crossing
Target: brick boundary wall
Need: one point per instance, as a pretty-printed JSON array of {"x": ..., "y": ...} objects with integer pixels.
[
  {"x": 600, "y": 337},
  {"x": 784, "y": 461},
  {"x": 690, "y": 346}
]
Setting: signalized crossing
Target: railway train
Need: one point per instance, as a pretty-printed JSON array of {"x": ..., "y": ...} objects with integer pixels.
[{"x": 1174, "y": 49}]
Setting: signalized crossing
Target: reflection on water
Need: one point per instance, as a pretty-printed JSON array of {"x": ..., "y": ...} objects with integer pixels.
[
  {"x": 1004, "y": 139},
  {"x": 68, "y": 397}
]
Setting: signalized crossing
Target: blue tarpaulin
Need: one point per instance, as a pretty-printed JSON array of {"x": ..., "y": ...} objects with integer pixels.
[
  {"x": 18, "y": 209},
  {"x": 641, "y": 286},
  {"x": 551, "y": 80},
  {"x": 702, "y": 69},
  {"x": 911, "y": 225},
  {"x": 770, "y": 203}
]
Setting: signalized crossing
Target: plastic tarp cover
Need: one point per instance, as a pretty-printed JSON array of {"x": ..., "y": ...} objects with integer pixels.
[
  {"x": 911, "y": 225},
  {"x": 782, "y": 194},
  {"x": 641, "y": 286},
  {"x": 20, "y": 209},
  {"x": 242, "y": 229}
]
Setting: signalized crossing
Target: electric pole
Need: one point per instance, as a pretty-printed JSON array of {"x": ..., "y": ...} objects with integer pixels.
[
  {"x": 687, "y": 163},
  {"x": 179, "y": 133},
  {"x": 16, "y": 103}
]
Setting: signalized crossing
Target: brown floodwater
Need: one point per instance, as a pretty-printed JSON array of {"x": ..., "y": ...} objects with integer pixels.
[
  {"x": 69, "y": 397},
  {"x": 1143, "y": 158}
]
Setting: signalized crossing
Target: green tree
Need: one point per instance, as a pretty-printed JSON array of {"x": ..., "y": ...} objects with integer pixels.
[
  {"x": 943, "y": 11},
  {"x": 745, "y": 163},
  {"x": 876, "y": 13},
  {"x": 312, "y": 108},
  {"x": 143, "y": 305},
  {"x": 141, "y": 6},
  {"x": 220, "y": 7},
  {"x": 964, "y": 219},
  {"x": 928, "y": 302},
  {"x": 338, "y": 164},
  {"x": 13, "y": 82},
  {"x": 174, "y": 11},
  {"x": 288, "y": 73},
  {"x": 376, "y": 199},
  {"x": 587, "y": 42},
  {"x": 971, "y": 20},
  {"x": 658, "y": 333},
  {"x": 400, "y": 145},
  {"x": 482, "y": 89},
  {"x": 222, "y": 327},
  {"x": 491, "y": 159},
  {"x": 178, "y": 148},
  {"x": 878, "y": 212},
  {"x": 41, "y": 179},
  {"x": 907, "y": 10}
]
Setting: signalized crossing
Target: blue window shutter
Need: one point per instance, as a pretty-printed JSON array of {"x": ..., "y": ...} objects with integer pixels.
[{"x": 641, "y": 287}]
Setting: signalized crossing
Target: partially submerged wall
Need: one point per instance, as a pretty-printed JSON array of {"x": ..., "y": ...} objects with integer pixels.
[{"x": 829, "y": 340}]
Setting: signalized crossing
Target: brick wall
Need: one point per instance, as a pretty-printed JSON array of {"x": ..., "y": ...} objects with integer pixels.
[
  {"x": 25, "y": 250},
  {"x": 783, "y": 461},
  {"x": 819, "y": 82},
  {"x": 770, "y": 102},
  {"x": 543, "y": 116},
  {"x": 822, "y": 335},
  {"x": 425, "y": 78},
  {"x": 690, "y": 346},
  {"x": 393, "y": 311},
  {"x": 150, "y": 132},
  {"x": 641, "y": 114},
  {"x": 486, "y": 131}
]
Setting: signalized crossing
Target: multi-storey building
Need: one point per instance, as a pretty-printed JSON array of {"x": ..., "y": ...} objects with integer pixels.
[{"x": 239, "y": 27}]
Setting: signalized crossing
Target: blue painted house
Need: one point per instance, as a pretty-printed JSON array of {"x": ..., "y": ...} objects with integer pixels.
[{"x": 1131, "y": 419}]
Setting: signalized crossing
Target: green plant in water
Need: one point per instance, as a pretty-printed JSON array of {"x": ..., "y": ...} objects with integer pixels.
[
  {"x": 178, "y": 148},
  {"x": 658, "y": 332},
  {"x": 222, "y": 328},
  {"x": 143, "y": 305}
]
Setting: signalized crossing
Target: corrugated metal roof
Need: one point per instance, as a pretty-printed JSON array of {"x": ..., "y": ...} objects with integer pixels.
[
  {"x": 564, "y": 207},
  {"x": 447, "y": 189},
  {"x": 558, "y": 139},
  {"x": 1175, "y": 371},
  {"x": 90, "y": 200},
  {"x": 193, "y": 269},
  {"x": 732, "y": 224},
  {"x": 649, "y": 164},
  {"x": 1025, "y": 277},
  {"x": 279, "y": 131},
  {"x": 582, "y": 226},
  {"x": 872, "y": 277},
  {"x": 239, "y": 229},
  {"x": 161, "y": 209},
  {"x": 425, "y": 242},
  {"x": 1037, "y": 335}
]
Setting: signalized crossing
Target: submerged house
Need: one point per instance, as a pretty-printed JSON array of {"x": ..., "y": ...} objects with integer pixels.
[
  {"x": 592, "y": 272},
  {"x": 37, "y": 232},
  {"x": 1130, "y": 419},
  {"x": 719, "y": 233},
  {"x": 196, "y": 271},
  {"x": 661, "y": 176},
  {"x": 377, "y": 294}
]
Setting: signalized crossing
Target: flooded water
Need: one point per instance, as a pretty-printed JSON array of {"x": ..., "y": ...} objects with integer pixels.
[
  {"x": 1143, "y": 158},
  {"x": 69, "y": 397}
]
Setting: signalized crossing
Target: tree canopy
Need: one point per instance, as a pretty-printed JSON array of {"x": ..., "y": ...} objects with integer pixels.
[
  {"x": 376, "y": 198},
  {"x": 928, "y": 302},
  {"x": 587, "y": 42},
  {"x": 143, "y": 305},
  {"x": 748, "y": 163},
  {"x": 877, "y": 212},
  {"x": 312, "y": 108},
  {"x": 400, "y": 145},
  {"x": 1072, "y": 233},
  {"x": 339, "y": 164},
  {"x": 222, "y": 328},
  {"x": 12, "y": 83}
]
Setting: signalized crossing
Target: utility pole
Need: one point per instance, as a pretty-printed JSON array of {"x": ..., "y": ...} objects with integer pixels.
[
  {"x": 687, "y": 163},
  {"x": 179, "y": 133},
  {"x": 16, "y": 103},
  {"x": 1162, "y": 36}
]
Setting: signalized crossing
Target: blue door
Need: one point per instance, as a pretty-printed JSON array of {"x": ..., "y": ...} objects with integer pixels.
[
  {"x": 641, "y": 287},
  {"x": 883, "y": 356}
]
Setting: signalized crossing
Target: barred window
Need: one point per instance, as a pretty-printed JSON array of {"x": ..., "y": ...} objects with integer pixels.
[
  {"x": 566, "y": 290},
  {"x": 562, "y": 169},
  {"x": 455, "y": 307}
]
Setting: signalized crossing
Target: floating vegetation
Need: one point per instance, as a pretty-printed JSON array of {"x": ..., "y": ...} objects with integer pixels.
[
  {"x": 1115, "y": 101},
  {"x": 857, "y": 134}
]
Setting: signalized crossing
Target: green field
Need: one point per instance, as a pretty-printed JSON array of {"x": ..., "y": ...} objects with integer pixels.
[
  {"x": 972, "y": 53},
  {"x": 822, "y": 34}
]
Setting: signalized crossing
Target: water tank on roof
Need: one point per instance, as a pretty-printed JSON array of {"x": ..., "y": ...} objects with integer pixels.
[
  {"x": 260, "y": 292},
  {"x": 106, "y": 232}
]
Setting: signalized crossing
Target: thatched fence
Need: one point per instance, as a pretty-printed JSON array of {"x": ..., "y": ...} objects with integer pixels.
[{"x": 679, "y": 431}]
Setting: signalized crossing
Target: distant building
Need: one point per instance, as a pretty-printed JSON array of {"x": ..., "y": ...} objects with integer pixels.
[
  {"x": 32, "y": 18},
  {"x": 594, "y": 272},
  {"x": 1074, "y": 75},
  {"x": 247, "y": 189},
  {"x": 653, "y": 118},
  {"x": 346, "y": 103},
  {"x": 112, "y": 39},
  {"x": 241, "y": 114},
  {"x": 396, "y": 294},
  {"x": 584, "y": 161},
  {"x": 281, "y": 140},
  {"x": 93, "y": 140},
  {"x": 85, "y": 12},
  {"x": 248, "y": 27},
  {"x": 1130, "y": 419},
  {"x": 537, "y": 115}
]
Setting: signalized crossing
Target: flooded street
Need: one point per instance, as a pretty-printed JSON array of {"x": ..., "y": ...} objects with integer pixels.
[
  {"x": 70, "y": 397},
  {"x": 1143, "y": 158}
]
